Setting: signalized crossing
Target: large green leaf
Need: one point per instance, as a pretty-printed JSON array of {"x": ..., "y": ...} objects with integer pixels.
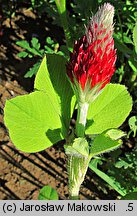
[
  {"x": 33, "y": 121},
  {"x": 102, "y": 143},
  {"x": 135, "y": 37},
  {"x": 51, "y": 78},
  {"x": 48, "y": 193},
  {"x": 109, "y": 110}
]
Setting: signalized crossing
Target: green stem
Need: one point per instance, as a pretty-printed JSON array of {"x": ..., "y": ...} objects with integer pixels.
[
  {"x": 81, "y": 119},
  {"x": 119, "y": 19},
  {"x": 66, "y": 29},
  {"x": 61, "y": 6},
  {"x": 77, "y": 168}
]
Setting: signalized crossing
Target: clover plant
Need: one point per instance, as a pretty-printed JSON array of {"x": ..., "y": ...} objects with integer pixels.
[{"x": 40, "y": 119}]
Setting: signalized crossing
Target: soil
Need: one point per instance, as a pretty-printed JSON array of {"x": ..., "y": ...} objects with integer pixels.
[{"x": 22, "y": 175}]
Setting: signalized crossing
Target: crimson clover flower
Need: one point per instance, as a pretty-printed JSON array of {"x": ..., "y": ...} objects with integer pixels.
[{"x": 92, "y": 62}]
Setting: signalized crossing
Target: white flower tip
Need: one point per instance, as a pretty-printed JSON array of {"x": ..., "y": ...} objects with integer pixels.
[
  {"x": 108, "y": 7},
  {"x": 106, "y": 14}
]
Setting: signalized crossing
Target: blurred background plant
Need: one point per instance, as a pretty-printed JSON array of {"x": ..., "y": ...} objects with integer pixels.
[{"x": 118, "y": 169}]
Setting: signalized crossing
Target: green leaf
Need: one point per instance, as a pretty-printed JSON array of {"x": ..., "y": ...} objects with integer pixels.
[
  {"x": 24, "y": 44},
  {"x": 33, "y": 3},
  {"x": 51, "y": 78},
  {"x": 65, "y": 51},
  {"x": 105, "y": 177},
  {"x": 133, "y": 64},
  {"x": 130, "y": 196},
  {"x": 115, "y": 134},
  {"x": 35, "y": 43},
  {"x": 135, "y": 37},
  {"x": 30, "y": 56},
  {"x": 22, "y": 54},
  {"x": 102, "y": 144},
  {"x": 48, "y": 193},
  {"x": 109, "y": 110},
  {"x": 35, "y": 52},
  {"x": 135, "y": 189},
  {"x": 79, "y": 148},
  {"x": 133, "y": 125},
  {"x": 127, "y": 40},
  {"x": 33, "y": 121},
  {"x": 49, "y": 41},
  {"x": 32, "y": 71},
  {"x": 48, "y": 49},
  {"x": 121, "y": 163}
]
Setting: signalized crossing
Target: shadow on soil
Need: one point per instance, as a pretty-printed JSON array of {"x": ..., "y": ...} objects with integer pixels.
[
  {"x": 56, "y": 170},
  {"x": 42, "y": 161}
]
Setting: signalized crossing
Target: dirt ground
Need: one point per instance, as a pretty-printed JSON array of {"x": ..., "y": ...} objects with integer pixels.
[{"x": 22, "y": 175}]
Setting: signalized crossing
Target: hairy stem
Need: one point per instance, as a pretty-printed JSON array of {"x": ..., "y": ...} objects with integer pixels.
[
  {"x": 77, "y": 168},
  {"x": 81, "y": 119}
]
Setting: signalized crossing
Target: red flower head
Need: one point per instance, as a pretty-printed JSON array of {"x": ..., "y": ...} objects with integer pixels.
[{"x": 92, "y": 62}]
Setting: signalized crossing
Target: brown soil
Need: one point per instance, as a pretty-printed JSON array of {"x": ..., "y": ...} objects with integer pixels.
[{"x": 22, "y": 175}]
